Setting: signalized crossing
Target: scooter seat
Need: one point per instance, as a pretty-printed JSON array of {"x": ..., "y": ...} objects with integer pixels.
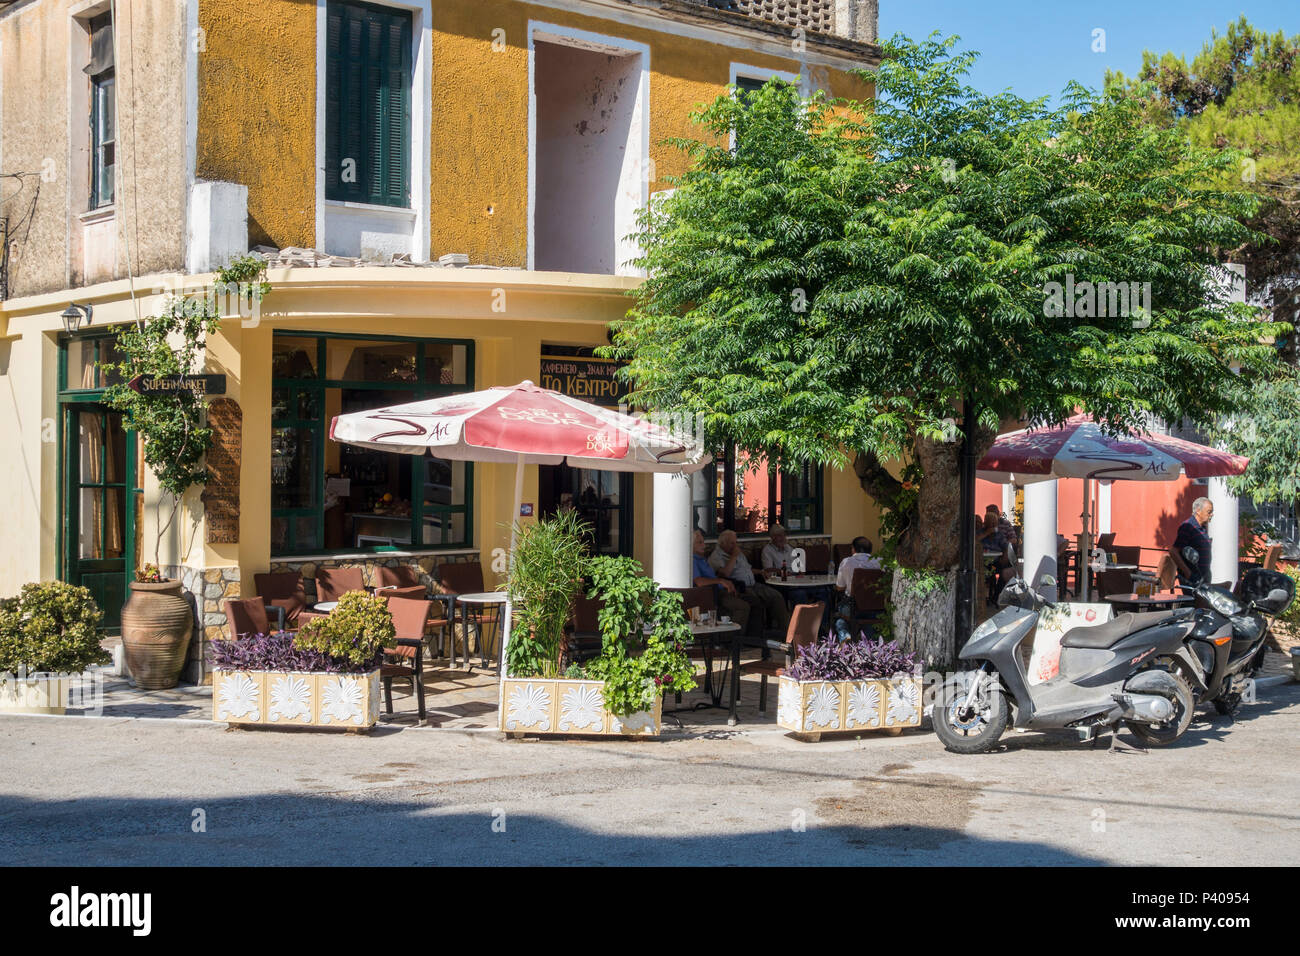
[{"x": 1112, "y": 632}]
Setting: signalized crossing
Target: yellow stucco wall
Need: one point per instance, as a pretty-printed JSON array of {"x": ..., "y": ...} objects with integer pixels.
[
  {"x": 257, "y": 120},
  {"x": 257, "y": 112}
]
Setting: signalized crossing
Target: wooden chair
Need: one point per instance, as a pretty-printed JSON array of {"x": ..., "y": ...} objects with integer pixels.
[
  {"x": 406, "y": 657},
  {"x": 1126, "y": 554},
  {"x": 704, "y": 599},
  {"x": 403, "y": 576},
  {"x": 1272, "y": 555},
  {"x": 285, "y": 590},
  {"x": 1166, "y": 573},
  {"x": 817, "y": 558},
  {"x": 1113, "y": 582},
  {"x": 804, "y": 622},
  {"x": 841, "y": 551},
  {"x": 584, "y": 640},
  {"x": 333, "y": 583},
  {"x": 868, "y": 589},
  {"x": 250, "y": 616},
  {"x": 1106, "y": 542}
]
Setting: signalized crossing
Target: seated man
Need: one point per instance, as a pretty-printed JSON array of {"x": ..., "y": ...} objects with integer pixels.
[
  {"x": 730, "y": 562},
  {"x": 724, "y": 592},
  {"x": 861, "y": 557},
  {"x": 777, "y": 554}
]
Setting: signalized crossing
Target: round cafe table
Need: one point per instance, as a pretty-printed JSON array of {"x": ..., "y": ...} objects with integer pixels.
[
  {"x": 479, "y": 599},
  {"x": 712, "y": 633},
  {"x": 809, "y": 582},
  {"x": 1151, "y": 602}
]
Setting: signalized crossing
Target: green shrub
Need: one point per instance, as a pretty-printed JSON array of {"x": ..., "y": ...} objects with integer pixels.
[
  {"x": 546, "y": 572},
  {"x": 50, "y": 627},
  {"x": 643, "y": 633},
  {"x": 356, "y": 631}
]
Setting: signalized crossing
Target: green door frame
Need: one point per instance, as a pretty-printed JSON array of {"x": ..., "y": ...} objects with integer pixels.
[{"x": 68, "y": 566}]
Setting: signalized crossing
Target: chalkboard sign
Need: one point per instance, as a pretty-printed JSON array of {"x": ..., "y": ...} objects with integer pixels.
[
  {"x": 590, "y": 379},
  {"x": 221, "y": 494}
]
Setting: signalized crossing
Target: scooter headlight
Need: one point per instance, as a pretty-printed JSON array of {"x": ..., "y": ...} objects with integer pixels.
[{"x": 984, "y": 630}]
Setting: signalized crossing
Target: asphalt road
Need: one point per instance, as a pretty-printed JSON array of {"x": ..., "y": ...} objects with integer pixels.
[{"x": 117, "y": 791}]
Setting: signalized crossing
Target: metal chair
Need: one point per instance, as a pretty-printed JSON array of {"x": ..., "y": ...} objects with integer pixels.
[
  {"x": 285, "y": 590},
  {"x": 251, "y": 616},
  {"x": 406, "y": 657},
  {"x": 333, "y": 583}
]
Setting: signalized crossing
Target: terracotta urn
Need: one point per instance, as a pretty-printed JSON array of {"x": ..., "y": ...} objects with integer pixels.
[{"x": 157, "y": 624}]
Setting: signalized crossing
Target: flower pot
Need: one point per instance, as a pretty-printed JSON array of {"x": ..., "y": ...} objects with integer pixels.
[
  {"x": 34, "y": 693},
  {"x": 819, "y": 706},
  {"x": 296, "y": 698},
  {"x": 157, "y": 624},
  {"x": 538, "y": 706}
]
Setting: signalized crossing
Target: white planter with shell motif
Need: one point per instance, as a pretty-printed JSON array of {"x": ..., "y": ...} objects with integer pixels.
[
  {"x": 296, "y": 698},
  {"x": 818, "y": 706},
  {"x": 539, "y": 706}
]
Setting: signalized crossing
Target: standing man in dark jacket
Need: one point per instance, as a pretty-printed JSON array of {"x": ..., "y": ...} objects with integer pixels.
[{"x": 1194, "y": 533}]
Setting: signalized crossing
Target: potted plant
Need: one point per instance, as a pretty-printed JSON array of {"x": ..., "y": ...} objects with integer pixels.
[
  {"x": 325, "y": 675},
  {"x": 49, "y": 634},
  {"x": 157, "y": 620},
  {"x": 857, "y": 685},
  {"x": 643, "y": 633},
  {"x": 548, "y": 565}
]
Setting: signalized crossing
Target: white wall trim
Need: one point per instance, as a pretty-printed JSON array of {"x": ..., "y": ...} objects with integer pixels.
[
  {"x": 585, "y": 39},
  {"x": 764, "y": 73},
  {"x": 421, "y": 121}
]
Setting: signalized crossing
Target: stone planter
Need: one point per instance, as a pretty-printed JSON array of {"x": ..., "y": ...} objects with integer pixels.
[
  {"x": 536, "y": 706},
  {"x": 296, "y": 698},
  {"x": 157, "y": 624},
  {"x": 35, "y": 693},
  {"x": 815, "y": 707}
]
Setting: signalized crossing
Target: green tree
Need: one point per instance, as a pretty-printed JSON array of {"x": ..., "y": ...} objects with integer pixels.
[
  {"x": 838, "y": 284},
  {"x": 1242, "y": 92}
]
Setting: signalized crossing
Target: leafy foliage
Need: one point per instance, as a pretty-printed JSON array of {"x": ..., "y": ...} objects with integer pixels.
[
  {"x": 643, "y": 633},
  {"x": 354, "y": 633},
  {"x": 1241, "y": 91},
  {"x": 548, "y": 565},
  {"x": 173, "y": 343},
  {"x": 863, "y": 659},
  {"x": 50, "y": 627},
  {"x": 1270, "y": 435},
  {"x": 835, "y": 286}
]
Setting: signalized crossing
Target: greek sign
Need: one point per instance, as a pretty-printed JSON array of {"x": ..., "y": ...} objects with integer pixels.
[{"x": 590, "y": 379}]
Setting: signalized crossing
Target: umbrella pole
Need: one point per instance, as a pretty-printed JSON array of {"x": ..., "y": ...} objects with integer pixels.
[{"x": 510, "y": 560}]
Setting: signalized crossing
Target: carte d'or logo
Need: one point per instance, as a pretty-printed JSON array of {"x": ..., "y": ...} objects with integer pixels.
[
  {"x": 539, "y": 416},
  {"x": 600, "y": 442}
]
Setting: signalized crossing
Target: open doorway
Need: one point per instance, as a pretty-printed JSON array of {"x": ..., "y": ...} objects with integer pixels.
[{"x": 589, "y": 153}]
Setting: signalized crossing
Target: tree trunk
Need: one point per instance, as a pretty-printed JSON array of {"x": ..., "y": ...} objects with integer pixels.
[{"x": 923, "y": 621}]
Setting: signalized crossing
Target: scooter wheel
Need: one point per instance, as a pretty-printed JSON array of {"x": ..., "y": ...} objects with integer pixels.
[
  {"x": 1163, "y": 734},
  {"x": 1227, "y": 704},
  {"x": 973, "y": 733}
]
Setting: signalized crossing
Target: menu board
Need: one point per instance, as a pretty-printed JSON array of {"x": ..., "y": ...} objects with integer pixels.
[
  {"x": 590, "y": 379},
  {"x": 221, "y": 494}
]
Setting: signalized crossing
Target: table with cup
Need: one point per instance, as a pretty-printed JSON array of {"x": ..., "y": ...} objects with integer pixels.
[{"x": 710, "y": 626}]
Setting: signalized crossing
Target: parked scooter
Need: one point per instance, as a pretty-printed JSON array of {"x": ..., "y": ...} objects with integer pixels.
[
  {"x": 1131, "y": 670},
  {"x": 1228, "y": 640}
]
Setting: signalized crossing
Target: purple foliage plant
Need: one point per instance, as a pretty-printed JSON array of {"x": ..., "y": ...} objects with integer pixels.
[
  {"x": 277, "y": 652},
  {"x": 831, "y": 659}
]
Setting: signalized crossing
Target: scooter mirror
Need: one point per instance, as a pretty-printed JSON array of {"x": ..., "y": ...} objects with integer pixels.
[{"x": 1191, "y": 556}]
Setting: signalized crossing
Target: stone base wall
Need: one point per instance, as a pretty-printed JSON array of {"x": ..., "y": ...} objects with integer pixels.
[
  {"x": 426, "y": 566},
  {"x": 206, "y": 589}
]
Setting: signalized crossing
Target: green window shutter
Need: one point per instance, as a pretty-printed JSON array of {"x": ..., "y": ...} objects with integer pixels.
[{"x": 368, "y": 104}]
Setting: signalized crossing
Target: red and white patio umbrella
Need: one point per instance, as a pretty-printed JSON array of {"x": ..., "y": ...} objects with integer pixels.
[
  {"x": 1079, "y": 448},
  {"x": 524, "y": 425}
]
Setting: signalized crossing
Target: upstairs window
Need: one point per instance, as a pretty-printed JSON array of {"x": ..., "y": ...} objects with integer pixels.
[
  {"x": 102, "y": 133},
  {"x": 368, "y": 105}
]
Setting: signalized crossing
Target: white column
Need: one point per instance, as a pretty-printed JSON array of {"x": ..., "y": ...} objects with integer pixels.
[
  {"x": 1103, "y": 505},
  {"x": 1040, "y": 535},
  {"x": 1223, "y": 533},
  {"x": 1009, "y": 500},
  {"x": 672, "y": 531}
]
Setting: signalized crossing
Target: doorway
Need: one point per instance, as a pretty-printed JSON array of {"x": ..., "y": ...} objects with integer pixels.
[
  {"x": 603, "y": 499},
  {"x": 100, "y": 505}
]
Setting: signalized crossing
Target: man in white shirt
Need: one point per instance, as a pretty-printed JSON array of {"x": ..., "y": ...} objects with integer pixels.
[
  {"x": 730, "y": 562},
  {"x": 846, "y": 612},
  {"x": 860, "y": 558},
  {"x": 778, "y": 551}
]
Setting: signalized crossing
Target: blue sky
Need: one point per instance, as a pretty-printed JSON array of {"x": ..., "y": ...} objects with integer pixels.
[{"x": 1035, "y": 47}]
